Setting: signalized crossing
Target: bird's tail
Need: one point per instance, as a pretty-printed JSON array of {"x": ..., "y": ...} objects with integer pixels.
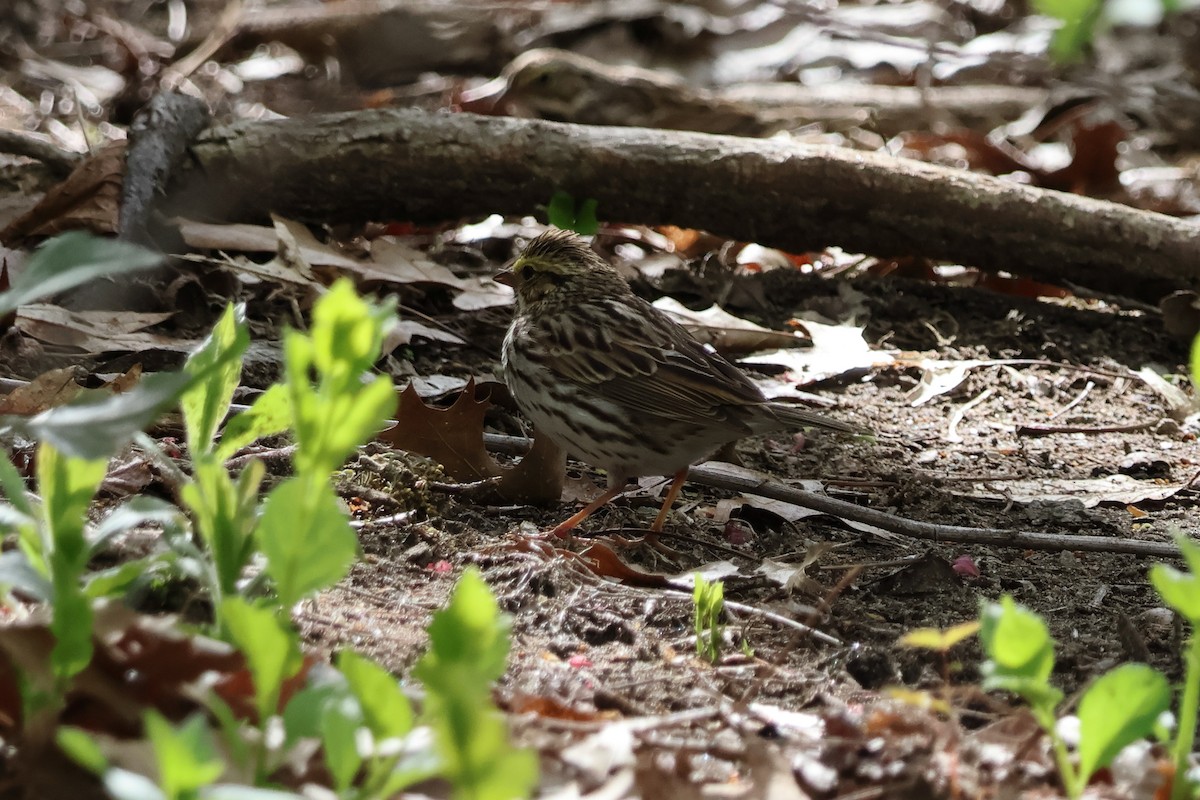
[{"x": 789, "y": 416}]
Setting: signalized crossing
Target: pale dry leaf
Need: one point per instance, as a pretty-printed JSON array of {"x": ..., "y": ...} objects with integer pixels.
[
  {"x": 480, "y": 293},
  {"x": 837, "y": 350},
  {"x": 725, "y": 332},
  {"x": 1090, "y": 492},
  {"x": 95, "y": 332},
  {"x": 712, "y": 571},
  {"x": 435, "y": 385},
  {"x": 404, "y": 330},
  {"x": 48, "y": 390},
  {"x": 938, "y": 378}
]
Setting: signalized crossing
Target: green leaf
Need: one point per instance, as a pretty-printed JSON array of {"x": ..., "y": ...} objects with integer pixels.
[
  {"x": 1180, "y": 590},
  {"x": 97, "y": 424},
  {"x": 185, "y": 755},
  {"x": 1016, "y": 641},
  {"x": 229, "y": 791},
  {"x": 271, "y": 413},
  {"x": 226, "y": 515},
  {"x": 586, "y": 223},
  {"x": 17, "y": 573},
  {"x": 328, "y": 711},
  {"x": 81, "y": 747},
  {"x": 387, "y": 711},
  {"x": 560, "y": 211},
  {"x": 1195, "y": 361},
  {"x": 217, "y": 365},
  {"x": 115, "y": 581},
  {"x": 346, "y": 337},
  {"x": 306, "y": 538},
  {"x": 72, "y": 629},
  {"x": 468, "y": 646},
  {"x": 470, "y": 631},
  {"x": 304, "y": 712},
  {"x": 13, "y": 487},
  {"x": 234, "y": 743},
  {"x": 340, "y": 722},
  {"x": 1041, "y": 695},
  {"x": 272, "y": 651},
  {"x": 939, "y": 639},
  {"x": 347, "y": 334},
  {"x": 322, "y": 447},
  {"x": 1078, "y": 17},
  {"x": 67, "y": 486},
  {"x": 1119, "y": 708},
  {"x": 70, "y": 260},
  {"x": 137, "y": 511}
]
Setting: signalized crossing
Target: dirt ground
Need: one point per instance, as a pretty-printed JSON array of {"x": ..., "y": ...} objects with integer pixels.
[{"x": 588, "y": 651}]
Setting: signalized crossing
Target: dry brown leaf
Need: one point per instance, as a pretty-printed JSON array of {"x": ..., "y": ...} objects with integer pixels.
[
  {"x": 453, "y": 436},
  {"x": 727, "y": 333},
  {"x": 601, "y": 560},
  {"x": 50, "y": 389},
  {"x": 126, "y": 380},
  {"x": 89, "y": 198},
  {"x": 139, "y": 662},
  {"x": 539, "y": 477},
  {"x": 95, "y": 332}
]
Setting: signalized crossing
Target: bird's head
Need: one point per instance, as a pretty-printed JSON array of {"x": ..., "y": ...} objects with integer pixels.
[
  {"x": 550, "y": 84},
  {"x": 559, "y": 267}
]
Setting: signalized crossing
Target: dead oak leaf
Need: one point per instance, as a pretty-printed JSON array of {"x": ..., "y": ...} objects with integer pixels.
[
  {"x": 453, "y": 436},
  {"x": 89, "y": 198},
  {"x": 54, "y": 388}
]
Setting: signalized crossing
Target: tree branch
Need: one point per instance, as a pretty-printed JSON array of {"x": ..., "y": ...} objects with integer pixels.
[{"x": 423, "y": 167}]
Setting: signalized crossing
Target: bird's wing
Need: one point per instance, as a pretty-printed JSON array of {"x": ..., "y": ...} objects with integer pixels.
[{"x": 631, "y": 353}]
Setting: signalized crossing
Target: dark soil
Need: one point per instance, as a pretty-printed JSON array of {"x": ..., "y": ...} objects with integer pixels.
[{"x": 588, "y": 651}]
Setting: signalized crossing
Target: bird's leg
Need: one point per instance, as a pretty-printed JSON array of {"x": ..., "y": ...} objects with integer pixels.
[
  {"x": 672, "y": 493},
  {"x": 563, "y": 529}
]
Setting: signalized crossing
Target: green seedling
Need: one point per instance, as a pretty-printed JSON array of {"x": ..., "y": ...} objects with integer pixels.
[
  {"x": 185, "y": 760},
  {"x": 272, "y": 651},
  {"x": 300, "y": 527},
  {"x": 468, "y": 646},
  {"x": 940, "y": 641},
  {"x": 1078, "y": 20},
  {"x": 1181, "y": 591},
  {"x": 304, "y": 532},
  {"x": 561, "y": 212},
  {"x": 1118, "y": 708},
  {"x": 708, "y": 603},
  {"x": 224, "y": 510},
  {"x": 365, "y": 725},
  {"x": 361, "y": 717}
]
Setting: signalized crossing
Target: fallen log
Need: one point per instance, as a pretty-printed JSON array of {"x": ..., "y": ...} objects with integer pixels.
[{"x": 426, "y": 167}]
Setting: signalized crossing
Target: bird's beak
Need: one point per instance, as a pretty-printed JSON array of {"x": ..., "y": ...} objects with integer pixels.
[{"x": 505, "y": 277}]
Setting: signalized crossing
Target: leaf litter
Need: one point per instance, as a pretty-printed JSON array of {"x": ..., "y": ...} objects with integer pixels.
[{"x": 634, "y": 642}]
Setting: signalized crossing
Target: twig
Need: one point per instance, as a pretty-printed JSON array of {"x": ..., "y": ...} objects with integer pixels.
[
  {"x": 1036, "y": 429},
  {"x": 31, "y": 145},
  {"x": 773, "y": 617},
  {"x": 727, "y": 476},
  {"x": 952, "y": 431},
  {"x": 1079, "y": 398}
]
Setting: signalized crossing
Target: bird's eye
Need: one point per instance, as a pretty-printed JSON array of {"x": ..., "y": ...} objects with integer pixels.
[
  {"x": 542, "y": 79},
  {"x": 525, "y": 272}
]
